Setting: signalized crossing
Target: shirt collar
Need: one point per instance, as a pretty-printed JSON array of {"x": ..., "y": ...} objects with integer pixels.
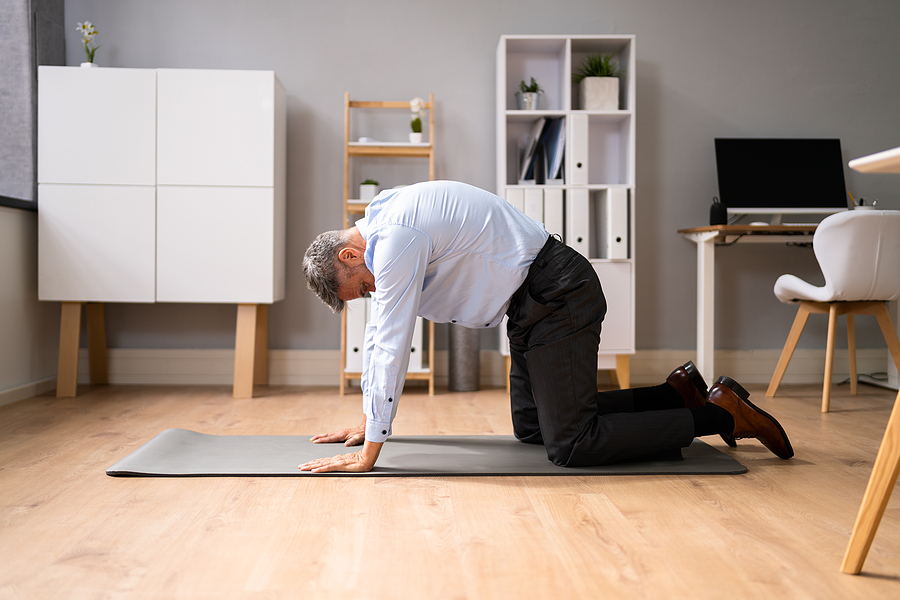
[{"x": 362, "y": 225}]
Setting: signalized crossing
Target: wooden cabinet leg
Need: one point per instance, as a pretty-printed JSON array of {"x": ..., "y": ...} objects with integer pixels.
[
  {"x": 96, "y": 338},
  {"x": 247, "y": 336},
  {"x": 878, "y": 492},
  {"x": 623, "y": 370},
  {"x": 69, "y": 339},
  {"x": 261, "y": 351}
]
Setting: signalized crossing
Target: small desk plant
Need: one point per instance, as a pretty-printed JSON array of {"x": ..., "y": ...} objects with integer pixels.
[
  {"x": 528, "y": 96},
  {"x": 598, "y": 82}
]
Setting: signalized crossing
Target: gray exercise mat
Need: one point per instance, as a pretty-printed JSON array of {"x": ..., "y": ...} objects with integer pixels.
[{"x": 184, "y": 453}]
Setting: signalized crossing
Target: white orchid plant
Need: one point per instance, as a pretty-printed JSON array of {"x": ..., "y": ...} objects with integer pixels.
[
  {"x": 415, "y": 105},
  {"x": 88, "y": 31}
]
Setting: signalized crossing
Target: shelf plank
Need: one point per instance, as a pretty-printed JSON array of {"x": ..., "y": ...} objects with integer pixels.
[
  {"x": 389, "y": 149},
  {"x": 612, "y": 116},
  {"x": 389, "y": 104}
]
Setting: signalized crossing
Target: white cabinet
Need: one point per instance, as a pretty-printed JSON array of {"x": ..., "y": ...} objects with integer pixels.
[
  {"x": 161, "y": 185},
  {"x": 597, "y": 190}
]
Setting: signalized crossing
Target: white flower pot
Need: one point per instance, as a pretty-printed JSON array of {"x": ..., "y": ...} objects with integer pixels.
[
  {"x": 88, "y": 65},
  {"x": 367, "y": 192},
  {"x": 599, "y": 93},
  {"x": 415, "y": 138}
]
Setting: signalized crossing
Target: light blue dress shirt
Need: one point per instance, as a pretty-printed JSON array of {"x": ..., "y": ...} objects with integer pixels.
[{"x": 443, "y": 250}]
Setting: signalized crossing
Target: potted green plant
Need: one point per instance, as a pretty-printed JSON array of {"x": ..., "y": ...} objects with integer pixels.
[
  {"x": 368, "y": 189},
  {"x": 415, "y": 120},
  {"x": 528, "y": 96},
  {"x": 598, "y": 82}
]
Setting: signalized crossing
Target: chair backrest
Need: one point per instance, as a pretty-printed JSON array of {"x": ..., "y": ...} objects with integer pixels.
[{"x": 859, "y": 253}]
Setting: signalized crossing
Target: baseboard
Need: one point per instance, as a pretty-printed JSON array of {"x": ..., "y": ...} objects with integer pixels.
[
  {"x": 29, "y": 390},
  {"x": 320, "y": 367}
]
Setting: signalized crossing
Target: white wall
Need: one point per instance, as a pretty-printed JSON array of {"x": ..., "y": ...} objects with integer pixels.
[
  {"x": 29, "y": 330},
  {"x": 706, "y": 68}
]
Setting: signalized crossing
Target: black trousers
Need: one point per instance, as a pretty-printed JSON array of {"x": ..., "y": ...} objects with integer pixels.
[{"x": 554, "y": 327}]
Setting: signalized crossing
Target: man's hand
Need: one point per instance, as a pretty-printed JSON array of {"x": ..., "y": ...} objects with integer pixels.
[
  {"x": 355, "y": 462},
  {"x": 350, "y": 437}
]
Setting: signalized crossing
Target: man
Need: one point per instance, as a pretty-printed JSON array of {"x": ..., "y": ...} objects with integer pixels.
[{"x": 454, "y": 253}]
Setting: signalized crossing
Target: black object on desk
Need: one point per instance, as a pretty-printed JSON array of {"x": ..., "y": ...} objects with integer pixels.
[{"x": 718, "y": 213}]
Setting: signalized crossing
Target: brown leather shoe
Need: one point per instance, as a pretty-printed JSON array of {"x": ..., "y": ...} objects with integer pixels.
[
  {"x": 688, "y": 382},
  {"x": 749, "y": 421}
]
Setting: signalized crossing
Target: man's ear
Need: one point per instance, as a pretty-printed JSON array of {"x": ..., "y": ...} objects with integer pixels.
[{"x": 349, "y": 255}]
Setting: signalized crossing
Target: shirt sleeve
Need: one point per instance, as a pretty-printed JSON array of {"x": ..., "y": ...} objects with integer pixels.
[{"x": 398, "y": 260}]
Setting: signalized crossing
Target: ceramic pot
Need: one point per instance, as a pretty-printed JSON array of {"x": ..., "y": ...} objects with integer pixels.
[
  {"x": 415, "y": 138},
  {"x": 599, "y": 93},
  {"x": 367, "y": 192}
]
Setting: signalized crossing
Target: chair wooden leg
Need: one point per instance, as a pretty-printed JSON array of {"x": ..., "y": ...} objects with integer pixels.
[
  {"x": 878, "y": 493},
  {"x": 96, "y": 340},
  {"x": 69, "y": 338},
  {"x": 851, "y": 350},
  {"x": 829, "y": 356},
  {"x": 789, "y": 346},
  {"x": 887, "y": 330}
]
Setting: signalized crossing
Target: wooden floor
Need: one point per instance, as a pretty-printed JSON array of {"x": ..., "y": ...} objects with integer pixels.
[{"x": 69, "y": 531}]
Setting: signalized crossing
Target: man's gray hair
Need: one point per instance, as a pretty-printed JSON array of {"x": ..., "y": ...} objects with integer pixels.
[{"x": 322, "y": 269}]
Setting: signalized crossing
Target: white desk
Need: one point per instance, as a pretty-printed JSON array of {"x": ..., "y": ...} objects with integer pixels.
[{"x": 707, "y": 238}]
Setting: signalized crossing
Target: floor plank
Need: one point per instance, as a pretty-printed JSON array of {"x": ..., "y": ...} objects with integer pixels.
[{"x": 68, "y": 530}]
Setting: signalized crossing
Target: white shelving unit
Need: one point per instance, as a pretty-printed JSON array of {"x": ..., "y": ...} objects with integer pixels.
[
  {"x": 593, "y": 208},
  {"x": 161, "y": 185}
]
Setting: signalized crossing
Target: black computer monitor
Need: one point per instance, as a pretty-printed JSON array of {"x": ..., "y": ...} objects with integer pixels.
[{"x": 781, "y": 175}]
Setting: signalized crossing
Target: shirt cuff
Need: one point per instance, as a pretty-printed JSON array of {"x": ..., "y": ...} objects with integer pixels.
[{"x": 377, "y": 431}]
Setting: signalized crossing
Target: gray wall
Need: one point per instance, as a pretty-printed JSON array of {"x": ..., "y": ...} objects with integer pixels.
[{"x": 705, "y": 68}]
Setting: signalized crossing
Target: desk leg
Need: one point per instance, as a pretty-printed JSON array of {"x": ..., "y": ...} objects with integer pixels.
[
  {"x": 249, "y": 349},
  {"x": 706, "y": 307},
  {"x": 69, "y": 338},
  {"x": 878, "y": 492}
]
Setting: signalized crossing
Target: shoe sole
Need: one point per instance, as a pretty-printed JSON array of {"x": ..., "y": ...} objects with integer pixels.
[{"x": 694, "y": 373}]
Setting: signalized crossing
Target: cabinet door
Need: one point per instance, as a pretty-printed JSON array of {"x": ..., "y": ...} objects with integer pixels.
[
  {"x": 617, "y": 334},
  {"x": 96, "y": 125},
  {"x": 216, "y": 244},
  {"x": 96, "y": 243},
  {"x": 217, "y": 127}
]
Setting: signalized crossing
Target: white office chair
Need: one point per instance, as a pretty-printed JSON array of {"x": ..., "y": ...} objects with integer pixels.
[{"x": 859, "y": 254}]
